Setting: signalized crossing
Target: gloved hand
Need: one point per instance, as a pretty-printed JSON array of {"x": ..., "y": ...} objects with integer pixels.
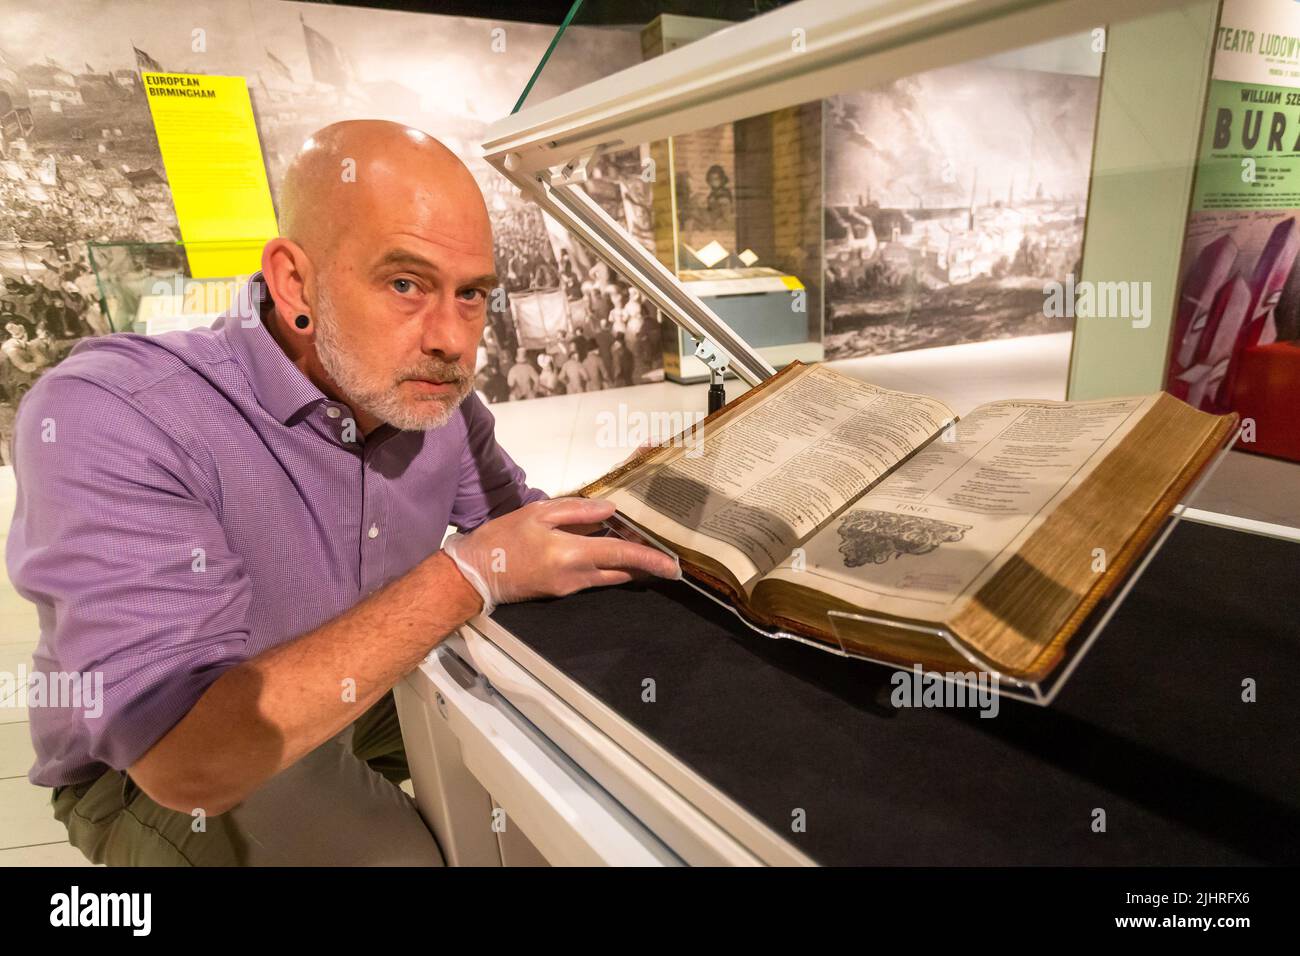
[{"x": 528, "y": 553}]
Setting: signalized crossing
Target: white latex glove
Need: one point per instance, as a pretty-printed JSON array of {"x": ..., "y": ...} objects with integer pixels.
[{"x": 528, "y": 553}]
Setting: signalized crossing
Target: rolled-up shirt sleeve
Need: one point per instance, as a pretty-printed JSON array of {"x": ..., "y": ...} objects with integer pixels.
[
  {"x": 117, "y": 539},
  {"x": 491, "y": 484}
]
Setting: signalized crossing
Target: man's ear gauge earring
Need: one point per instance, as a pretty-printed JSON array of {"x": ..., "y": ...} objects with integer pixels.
[{"x": 302, "y": 321}]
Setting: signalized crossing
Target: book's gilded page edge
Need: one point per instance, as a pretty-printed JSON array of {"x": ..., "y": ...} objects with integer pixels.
[{"x": 1118, "y": 569}]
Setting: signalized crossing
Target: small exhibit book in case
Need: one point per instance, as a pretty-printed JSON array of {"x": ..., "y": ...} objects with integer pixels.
[{"x": 879, "y": 524}]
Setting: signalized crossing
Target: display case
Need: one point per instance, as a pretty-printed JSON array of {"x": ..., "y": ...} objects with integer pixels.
[
  {"x": 838, "y": 181},
  {"x": 912, "y": 171}
]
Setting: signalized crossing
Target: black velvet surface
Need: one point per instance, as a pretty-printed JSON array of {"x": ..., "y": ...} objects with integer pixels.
[{"x": 1151, "y": 727}]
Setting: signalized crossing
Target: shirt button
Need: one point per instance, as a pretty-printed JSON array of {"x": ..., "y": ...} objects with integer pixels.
[
  {"x": 374, "y": 531},
  {"x": 333, "y": 411}
]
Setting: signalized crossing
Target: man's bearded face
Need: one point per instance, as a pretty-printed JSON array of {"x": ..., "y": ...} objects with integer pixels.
[{"x": 403, "y": 396}]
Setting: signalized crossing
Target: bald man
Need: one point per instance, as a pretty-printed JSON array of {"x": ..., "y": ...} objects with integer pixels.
[{"x": 234, "y": 536}]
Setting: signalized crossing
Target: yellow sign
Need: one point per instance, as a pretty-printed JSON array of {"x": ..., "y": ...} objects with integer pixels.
[{"x": 214, "y": 166}]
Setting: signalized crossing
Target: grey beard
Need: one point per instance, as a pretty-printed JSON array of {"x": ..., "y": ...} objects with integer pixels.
[{"x": 385, "y": 404}]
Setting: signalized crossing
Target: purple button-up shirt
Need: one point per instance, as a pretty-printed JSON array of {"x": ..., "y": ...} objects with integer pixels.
[{"x": 187, "y": 501}]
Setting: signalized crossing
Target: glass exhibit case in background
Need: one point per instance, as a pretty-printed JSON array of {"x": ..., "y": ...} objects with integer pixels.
[
  {"x": 926, "y": 211},
  {"x": 702, "y": 203},
  {"x": 923, "y": 209}
]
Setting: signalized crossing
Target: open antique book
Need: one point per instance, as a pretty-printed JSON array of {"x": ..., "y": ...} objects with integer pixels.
[{"x": 815, "y": 492}]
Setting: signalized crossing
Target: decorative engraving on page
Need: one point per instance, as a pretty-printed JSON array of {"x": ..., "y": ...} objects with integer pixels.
[{"x": 873, "y": 537}]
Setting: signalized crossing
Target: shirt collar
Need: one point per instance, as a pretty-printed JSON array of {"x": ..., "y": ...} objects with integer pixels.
[{"x": 280, "y": 386}]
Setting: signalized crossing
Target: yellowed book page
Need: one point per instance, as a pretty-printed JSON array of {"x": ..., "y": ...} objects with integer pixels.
[
  {"x": 923, "y": 542},
  {"x": 750, "y": 491}
]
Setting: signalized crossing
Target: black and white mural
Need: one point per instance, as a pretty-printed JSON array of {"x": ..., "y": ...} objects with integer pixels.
[{"x": 951, "y": 197}]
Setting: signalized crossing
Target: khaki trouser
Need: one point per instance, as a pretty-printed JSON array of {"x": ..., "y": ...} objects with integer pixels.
[{"x": 339, "y": 805}]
